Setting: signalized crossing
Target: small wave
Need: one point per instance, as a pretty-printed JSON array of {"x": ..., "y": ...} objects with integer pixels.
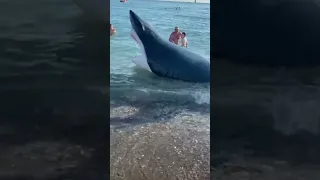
[
  {"x": 296, "y": 110},
  {"x": 201, "y": 97},
  {"x": 198, "y": 96}
]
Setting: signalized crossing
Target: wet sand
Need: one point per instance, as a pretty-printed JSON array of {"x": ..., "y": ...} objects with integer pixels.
[
  {"x": 52, "y": 142},
  {"x": 159, "y": 140},
  {"x": 241, "y": 168},
  {"x": 39, "y": 153}
]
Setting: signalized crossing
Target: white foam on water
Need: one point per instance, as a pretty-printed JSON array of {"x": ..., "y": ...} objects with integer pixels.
[
  {"x": 290, "y": 108},
  {"x": 198, "y": 96},
  {"x": 294, "y": 111},
  {"x": 201, "y": 97}
]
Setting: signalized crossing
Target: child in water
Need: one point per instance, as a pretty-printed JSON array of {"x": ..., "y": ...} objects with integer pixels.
[{"x": 184, "y": 41}]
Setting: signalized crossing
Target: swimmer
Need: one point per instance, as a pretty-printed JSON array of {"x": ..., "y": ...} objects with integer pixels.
[
  {"x": 175, "y": 35},
  {"x": 184, "y": 40},
  {"x": 112, "y": 30}
]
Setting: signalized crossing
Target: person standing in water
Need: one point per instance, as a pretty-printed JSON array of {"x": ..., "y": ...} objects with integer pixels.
[
  {"x": 112, "y": 30},
  {"x": 175, "y": 35},
  {"x": 184, "y": 40}
]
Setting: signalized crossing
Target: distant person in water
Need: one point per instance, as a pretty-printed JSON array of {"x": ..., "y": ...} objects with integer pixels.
[
  {"x": 184, "y": 40},
  {"x": 112, "y": 30},
  {"x": 175, "y": 35}
]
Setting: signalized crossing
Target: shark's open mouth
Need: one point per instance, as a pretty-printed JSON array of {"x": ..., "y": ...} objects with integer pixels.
[
  {"x": 140, "y": 61},
  {"x": 134, "y": 36}
]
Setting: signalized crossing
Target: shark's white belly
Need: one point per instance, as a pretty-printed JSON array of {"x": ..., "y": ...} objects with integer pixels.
[{"x": 141, "y": 62}]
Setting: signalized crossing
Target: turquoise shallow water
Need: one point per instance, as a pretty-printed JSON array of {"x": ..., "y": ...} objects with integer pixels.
[{"x": 192, "y": 18}]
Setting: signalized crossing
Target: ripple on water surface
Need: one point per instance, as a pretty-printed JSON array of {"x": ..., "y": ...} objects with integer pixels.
[{"x": 123, "y": 74}]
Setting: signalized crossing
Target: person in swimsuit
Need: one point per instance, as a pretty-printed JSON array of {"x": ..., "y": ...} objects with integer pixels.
[
  {"x": 184, "y": 40},
  {"x": 112, "y": 30},
  {"x": 175, "y": 35}
]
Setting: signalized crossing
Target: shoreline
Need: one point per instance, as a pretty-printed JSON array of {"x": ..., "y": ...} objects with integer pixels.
[{"x": 53, "y": 150}]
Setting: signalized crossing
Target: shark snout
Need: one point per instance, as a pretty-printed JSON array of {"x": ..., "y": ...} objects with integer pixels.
[
  {"x": 131, "y": 13},
  {"x": 135, "y": 21},
  {"x": 132, "y": 16}
]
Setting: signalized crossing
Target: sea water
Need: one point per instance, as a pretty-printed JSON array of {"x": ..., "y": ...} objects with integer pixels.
[
  {"x": 192, "y": 18},
  {"x": 159, "y": 126}
]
